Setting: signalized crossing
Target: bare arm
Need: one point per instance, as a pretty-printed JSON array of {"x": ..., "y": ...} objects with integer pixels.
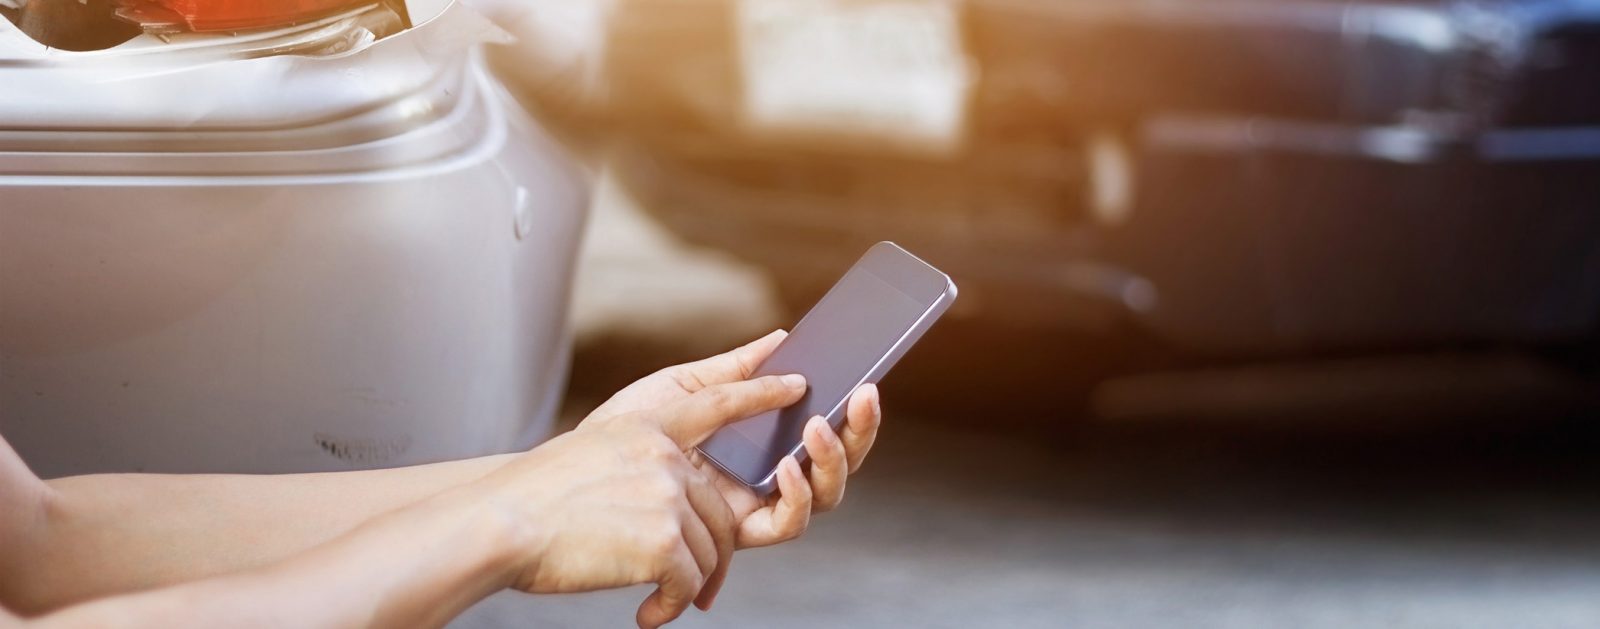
[
  {"x": 91, "y": 536},
  {"x": 401, "y": 546},
  {"x": 416, "y": 567},
  {"x": 610, "y": 504}
]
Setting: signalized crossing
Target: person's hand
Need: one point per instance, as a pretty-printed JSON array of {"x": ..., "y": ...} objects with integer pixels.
[
  {"x": 785, "y": 515},
  {"x": 617, "y": 503}
]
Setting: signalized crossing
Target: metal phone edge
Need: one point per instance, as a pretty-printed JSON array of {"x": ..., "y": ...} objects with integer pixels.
[{"x": 834, "y": 417}]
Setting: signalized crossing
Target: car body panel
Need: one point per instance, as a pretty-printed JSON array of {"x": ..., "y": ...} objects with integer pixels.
[{"x": 259, "y": 279}]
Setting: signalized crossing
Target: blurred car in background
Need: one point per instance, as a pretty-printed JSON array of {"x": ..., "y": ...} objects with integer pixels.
[
  {"x": 274, "y": 236},
  {"x": 1224, "y": 179}
]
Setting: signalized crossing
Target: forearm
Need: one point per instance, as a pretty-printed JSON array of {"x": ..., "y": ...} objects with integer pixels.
[
  {"x": 106, "y": 534},
  {"x": 416, "y": 567}
]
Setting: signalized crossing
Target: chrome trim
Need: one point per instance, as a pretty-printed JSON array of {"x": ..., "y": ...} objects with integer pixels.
[
  {"x": 1406, "y": 144},
  {"x": 435, "y": 99},
  {"x": 1563, "y": 143},
  {"x": 473, "y": 124},
  {"x": 1396, "y": 143}
]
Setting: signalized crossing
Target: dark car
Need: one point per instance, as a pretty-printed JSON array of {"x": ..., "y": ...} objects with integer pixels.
[
  {"x": 1296, "y": 174},
  {"x": 1214, "y": 179}
]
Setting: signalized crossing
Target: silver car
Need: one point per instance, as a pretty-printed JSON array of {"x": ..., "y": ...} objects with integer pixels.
[{"x": 326, "y": 244}]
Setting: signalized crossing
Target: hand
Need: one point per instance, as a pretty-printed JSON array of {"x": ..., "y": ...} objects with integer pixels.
[
  {"x": 782, "y": 517},
  {"x": 616, "y": 503}
]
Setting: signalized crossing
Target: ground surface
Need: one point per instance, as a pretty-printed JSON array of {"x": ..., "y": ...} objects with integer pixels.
[{"x": 1427, "y": 491}]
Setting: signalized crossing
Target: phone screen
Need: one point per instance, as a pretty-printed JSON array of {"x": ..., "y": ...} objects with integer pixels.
[{"x": 835, "y": 346}]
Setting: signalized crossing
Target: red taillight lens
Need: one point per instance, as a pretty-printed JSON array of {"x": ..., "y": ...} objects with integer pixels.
[{"x": 227, "y": 15}]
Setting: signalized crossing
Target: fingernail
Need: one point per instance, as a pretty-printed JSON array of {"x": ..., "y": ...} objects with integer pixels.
[
  {"x": 793, "y": 380},
  {"x": 877, "y": 401}
]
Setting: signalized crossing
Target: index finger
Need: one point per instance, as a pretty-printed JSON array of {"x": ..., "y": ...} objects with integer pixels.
[
  {"x": 690, "y": 420},
  {"x": 732, "y": 365}
]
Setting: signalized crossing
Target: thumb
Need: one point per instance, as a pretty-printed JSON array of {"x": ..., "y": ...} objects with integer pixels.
[{"x": 691, "y": 420}]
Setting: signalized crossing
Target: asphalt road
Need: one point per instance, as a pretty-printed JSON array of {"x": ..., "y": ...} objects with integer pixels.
[{"x": 1441, "y": 490}]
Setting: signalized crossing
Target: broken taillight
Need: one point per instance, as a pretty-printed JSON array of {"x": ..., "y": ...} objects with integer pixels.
[{"x": 237, "y": 15}]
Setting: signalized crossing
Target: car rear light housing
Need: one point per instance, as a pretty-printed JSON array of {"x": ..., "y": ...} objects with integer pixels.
[{"x": 236, "y": 15}]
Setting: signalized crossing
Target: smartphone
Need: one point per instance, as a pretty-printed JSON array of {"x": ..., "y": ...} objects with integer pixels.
[{"x": 852, "y": 336}]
